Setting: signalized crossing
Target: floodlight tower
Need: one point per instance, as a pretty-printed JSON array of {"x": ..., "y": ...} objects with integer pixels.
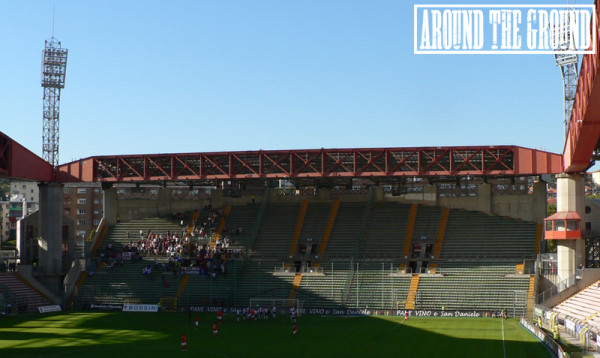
[
  {"x": 567, "y": 61},
  {"x": 54, "y": 68}
]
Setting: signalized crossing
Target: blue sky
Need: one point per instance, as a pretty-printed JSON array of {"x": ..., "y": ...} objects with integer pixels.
[{"x": 199, "y": 76}]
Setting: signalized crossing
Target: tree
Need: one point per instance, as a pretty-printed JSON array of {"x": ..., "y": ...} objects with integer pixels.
[
  {"x": 4, "y": 188},
  {"x": 551, "y": 244}
]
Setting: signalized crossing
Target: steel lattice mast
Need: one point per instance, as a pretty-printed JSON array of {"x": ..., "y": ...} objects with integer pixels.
[
  {"x": 54, "y": 68},
  {"x": 568, "y": 67}
]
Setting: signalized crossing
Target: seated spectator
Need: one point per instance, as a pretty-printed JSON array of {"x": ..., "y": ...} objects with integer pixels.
[
  {"x": 147, "y": 271},
  {"x": 7, "y": 310}
]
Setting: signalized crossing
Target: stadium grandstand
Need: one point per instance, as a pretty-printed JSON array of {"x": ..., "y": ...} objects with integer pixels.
[
  {"x": 377, "y": 231},
  {"x": 381, "y": 231}
]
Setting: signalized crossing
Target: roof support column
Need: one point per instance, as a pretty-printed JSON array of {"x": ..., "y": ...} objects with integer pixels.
[
  {"x": 110, "y": 205},
  {"x": 51, "y": 235},
  {"x": 570, "y": 197}
]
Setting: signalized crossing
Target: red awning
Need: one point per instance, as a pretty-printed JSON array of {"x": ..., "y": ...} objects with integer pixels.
[{"x": 564, "y": 215}]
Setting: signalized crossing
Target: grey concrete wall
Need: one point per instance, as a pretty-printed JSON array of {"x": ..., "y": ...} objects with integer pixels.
[
  {"x": 110, "y": 206},
  {"x": 50, "y": 228},
  {"x": 28, "y": 248},
  {"x": 427, "y": 197},
  {"x": 26, "y": 273},
  {"x": 481, "y": 202},
  {"x": 137, "y": 208},
  {"x": 530, "y": 207},
  {"x": 526, "y": 207}
]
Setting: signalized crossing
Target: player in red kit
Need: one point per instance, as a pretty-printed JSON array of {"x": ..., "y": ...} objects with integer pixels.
[
  {"x": 215, "y": 329},
  {"x": 294, "y": 330},
  {"x": 219, "y": 316},
  {"x": 405, "y": 316},
  {"x": 184, "y": 343}
]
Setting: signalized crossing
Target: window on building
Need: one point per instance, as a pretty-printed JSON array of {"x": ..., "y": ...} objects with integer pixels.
[
  {"x": 96, "y": 190},
  {"x": 24, "y": 186},
  {"x": 81, "y": 201},
  {"x": 81, "y": 233},
  {"x": 67, "y": 190},
  {"x": 588, "y": 209},
  {"x": 96, "y": 222},
  {"x": 588, "y": 225},
  {"x": 96, "y": 212},
  {"x": 81, "y": 190},
  {"x": 81, "y": 222},
  {"x": 96, "y": 201},
  {"x": 32, "y": 190},
  {"x": 81, "y": 211},
  {"x": 67, "y": 211}
]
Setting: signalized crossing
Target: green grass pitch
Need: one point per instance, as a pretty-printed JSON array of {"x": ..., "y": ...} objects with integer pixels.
[{"x": 146, "y": 335}]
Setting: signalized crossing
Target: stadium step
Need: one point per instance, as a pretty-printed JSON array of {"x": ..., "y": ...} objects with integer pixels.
[
  {"x": 441, "y": 233},
  {"x": 412, "y": 292},
  {"x": 531, "y": 296},
  {"x": 217, "y": 234},
  {"x": 327, "y": 233},
  {"x": 274, "y": 238},
  {"x": 364, "y": 224},
  {"x": 182, "y": 286},
  {"x": 519, "y": 269},
  {"x": 402, "y": 268},
  {"x": 295, "y": 286},
  {"x": 18, "y": 291},
  {"x": 99, "y": 240},
  {"x": 191, "y": 223},
  {"x": 412, "y": 218},
  {"x": 82, "y": 276},
  {"x": 378, "y": 227},
  {"x": 299, "y": 224}
]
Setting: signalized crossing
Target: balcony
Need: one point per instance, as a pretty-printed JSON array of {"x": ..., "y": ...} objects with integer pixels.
[{"x": 563, "y": 226}]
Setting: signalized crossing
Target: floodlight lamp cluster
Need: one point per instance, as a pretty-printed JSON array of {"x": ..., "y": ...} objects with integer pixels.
[{"x": 54, "y": 64}]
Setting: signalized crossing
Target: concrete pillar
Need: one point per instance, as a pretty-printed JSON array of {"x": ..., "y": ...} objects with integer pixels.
[
  {"x": 323, "y": 194},
  {"x": 570, "y": 193},
  {"x": 378, "y": 194},
  {"x": 164, "y": 202},
  {"x": 430, "y": 194},
  {"x": 565, "y": 254},
  {"x": 216, "y": 198},
  {"x": 50, "y": 226},
  {"x": 109, "y": 206},
  {"x": 570, "y": 196},
  {"x": 484, "y": 197}
]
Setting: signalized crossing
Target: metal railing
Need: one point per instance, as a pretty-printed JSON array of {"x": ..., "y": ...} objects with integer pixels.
[
  {"x": 559, "y": 287},
  {"x": 290, "y": 269}
]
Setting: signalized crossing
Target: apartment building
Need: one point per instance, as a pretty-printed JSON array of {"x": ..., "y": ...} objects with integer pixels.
[
  {"x": 83, "y": 203},
  {"x": 22, "y": 200}
]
